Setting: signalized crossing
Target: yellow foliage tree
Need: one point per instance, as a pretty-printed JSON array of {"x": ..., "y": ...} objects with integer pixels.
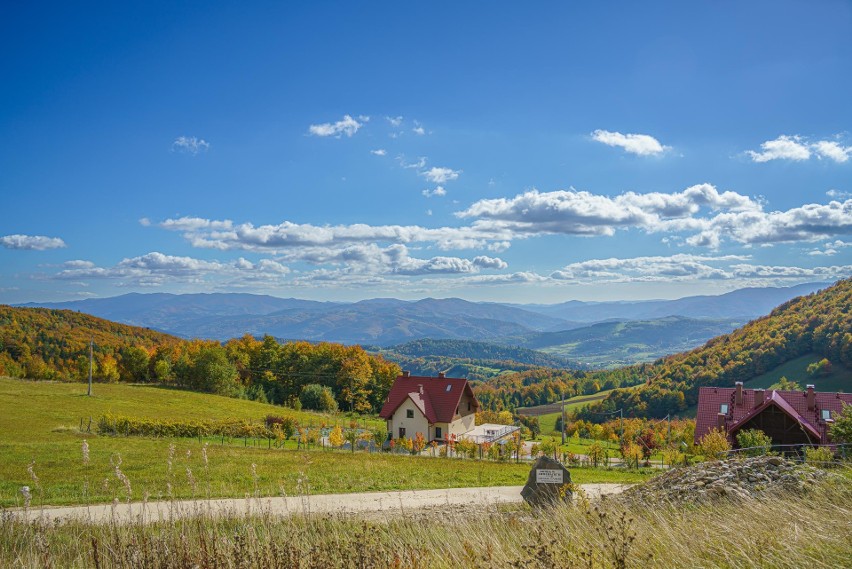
[{"x": 335, "y": 438}]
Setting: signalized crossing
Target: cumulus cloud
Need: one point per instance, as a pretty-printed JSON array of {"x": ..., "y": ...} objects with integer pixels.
[
  {"x": 809, "y": 222},
  {"x": 685, "y": 267},
  {"x": 576, "y": 212},
  {"x": 708, "y": 216},
  {"x": 437, "y": 192},
  {"x": 31, "y": 242},
  {"x": 490, "y": 262},
  {"x": 347, "y": 125},
  {"x": 440, "y": 175},
  {"x": 639, "y": 144},
  {"x": 830, "y": 249},
  {"x": 225, "y": 235},
  {"x": 394, "y": 121},
  {"x": 832, "y": 150},
  {"x": 155, "y": 268},
  {"x": 379, "y": 152},
  {"x": 418, "y": 129},
  {"x": 190, "y": 145},
  {"x": 798, "y": 148}
]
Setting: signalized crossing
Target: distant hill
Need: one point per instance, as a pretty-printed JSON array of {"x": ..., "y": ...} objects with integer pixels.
[
  {"x": 466, "y": 358},
  {"x": 819, "y": 323},
  {"x": 741, "y": 305},
  {"x": 613, "y": 344},
  {"x": 379, "y": 321}
]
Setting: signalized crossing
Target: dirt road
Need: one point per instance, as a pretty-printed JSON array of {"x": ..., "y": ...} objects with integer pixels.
[{"x": 387, "y": 503}]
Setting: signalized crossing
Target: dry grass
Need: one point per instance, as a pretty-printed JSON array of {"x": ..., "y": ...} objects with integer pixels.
[{"x": 811, "y": 530}]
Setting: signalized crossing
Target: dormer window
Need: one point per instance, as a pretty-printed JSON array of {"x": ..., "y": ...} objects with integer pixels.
[
  {"x": 723, "y": 408},
  {"x": 826, "y": 414},
  {"x": 449, "y": 387}
]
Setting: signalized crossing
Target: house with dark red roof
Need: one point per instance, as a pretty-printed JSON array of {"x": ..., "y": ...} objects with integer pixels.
[
  {"x": 787, "y": 417},
  {"x": 436, "y": 407}
]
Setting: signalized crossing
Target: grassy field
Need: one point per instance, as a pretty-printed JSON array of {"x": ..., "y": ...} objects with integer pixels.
[
  {"x": 840, "y": 378},
  {"x": 39, "y": 425},
  {"x": 785, "y": 530}
]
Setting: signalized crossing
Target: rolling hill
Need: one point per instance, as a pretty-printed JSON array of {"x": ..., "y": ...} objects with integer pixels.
[
  {"x": 819, "y": 323},
  {"x": 613, "y": 344}
]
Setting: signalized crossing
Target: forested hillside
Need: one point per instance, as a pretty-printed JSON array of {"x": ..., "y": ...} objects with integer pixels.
[
  {"x": 465, "y": 358},
  {"x": 54, "y": 344},
  {"x": 40, "y": 343},
  {"x": 819, "y": 323}
]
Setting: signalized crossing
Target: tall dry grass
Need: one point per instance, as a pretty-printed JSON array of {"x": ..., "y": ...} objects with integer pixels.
[{"x": 786, "y": 530}]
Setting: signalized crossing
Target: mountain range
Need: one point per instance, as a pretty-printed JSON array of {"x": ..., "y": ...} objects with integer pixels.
[{"x": 383, "y": 322}]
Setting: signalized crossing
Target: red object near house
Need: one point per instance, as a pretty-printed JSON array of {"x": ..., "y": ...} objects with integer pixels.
[{"x": 788, "y": 417}]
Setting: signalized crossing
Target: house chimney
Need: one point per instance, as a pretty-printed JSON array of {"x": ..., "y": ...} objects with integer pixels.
[
  {"x": 738, "y": 400},
  {"x": 758, "y": 397},
  {"x": 811, "y": 396},
  {"x": 720, "y": 421},
  {"x": 406, "y": 373},
  {"x": 420, "y": 387},
  {"x": 441, "y": 375}
]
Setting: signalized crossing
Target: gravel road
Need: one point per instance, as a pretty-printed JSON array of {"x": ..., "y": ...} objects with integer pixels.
[{"x": 387, "y": 503}]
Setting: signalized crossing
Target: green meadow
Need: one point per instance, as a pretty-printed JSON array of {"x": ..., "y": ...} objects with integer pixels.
[{"x": 40, "y": 427}]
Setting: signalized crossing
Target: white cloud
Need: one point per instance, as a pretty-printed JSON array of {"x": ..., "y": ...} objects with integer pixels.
[
  {"x": 379, "y": 152},
  {"x": 394, "y": 121},
  {"x": 420, "y": 163},
  {"x": 440, "y": 175},
  {"x": 418, "y": 129},
  {"x": 798, "y": 148},
  {"x": 830, "y": 249},
  {"x": 832, "y": 150},
  {"x": 155, "y": 269},
  {"x": 190, "y": 145},
  {"x": 639, "y": 144},
  {"x": 437, "y": 192},
  {"x": 490, "y": 262},
  {"x": 31, "y": 242},
  {"x": 347, "y": 125},
  {"x": 583, "y": 213},
  {"x": 837, "y": 194},
  {"x": 144, "y": 222},
  {"x": 782, "y": 148},
  {"x": 78, "y": 264}
]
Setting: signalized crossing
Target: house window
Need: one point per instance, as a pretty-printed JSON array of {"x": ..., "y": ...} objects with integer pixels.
[
  {"x": 468, "y": 405},
  {"x": 409, "y": 413},
  {"x": 449, "y": 387},
  {"x": 401, "y": 432},
  {"x": 826, "y": 414},
  {"x": 438, "y": 433},
  {"x": 723, "y": 408}
]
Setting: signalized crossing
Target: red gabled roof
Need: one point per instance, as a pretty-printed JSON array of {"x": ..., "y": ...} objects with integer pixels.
[
  {"x": 434, "y": 400},
  {"x": 794, "y": 403},
  {"x": 781, "y": 403}
]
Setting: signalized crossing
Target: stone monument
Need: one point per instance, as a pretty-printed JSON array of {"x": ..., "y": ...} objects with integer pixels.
[{"x": 549, "y": 482}]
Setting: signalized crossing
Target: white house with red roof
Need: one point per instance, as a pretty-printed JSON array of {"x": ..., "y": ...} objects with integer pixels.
[
  {"x": 788, "y": 417},
  {"x": 436, "y": 407}
]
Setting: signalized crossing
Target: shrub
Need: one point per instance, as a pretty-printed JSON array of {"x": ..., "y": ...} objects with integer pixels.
[
  {"x": 714, "y": 445},
  {"x": 819, "y": 455},
  {"x": 318, "y": 397},
  {"x": 755, "y": 441},
  {"x": 335, "y": 438}
]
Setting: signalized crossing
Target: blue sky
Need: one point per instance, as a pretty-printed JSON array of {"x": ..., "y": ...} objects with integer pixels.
[{"x": 484, "y": 150}]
